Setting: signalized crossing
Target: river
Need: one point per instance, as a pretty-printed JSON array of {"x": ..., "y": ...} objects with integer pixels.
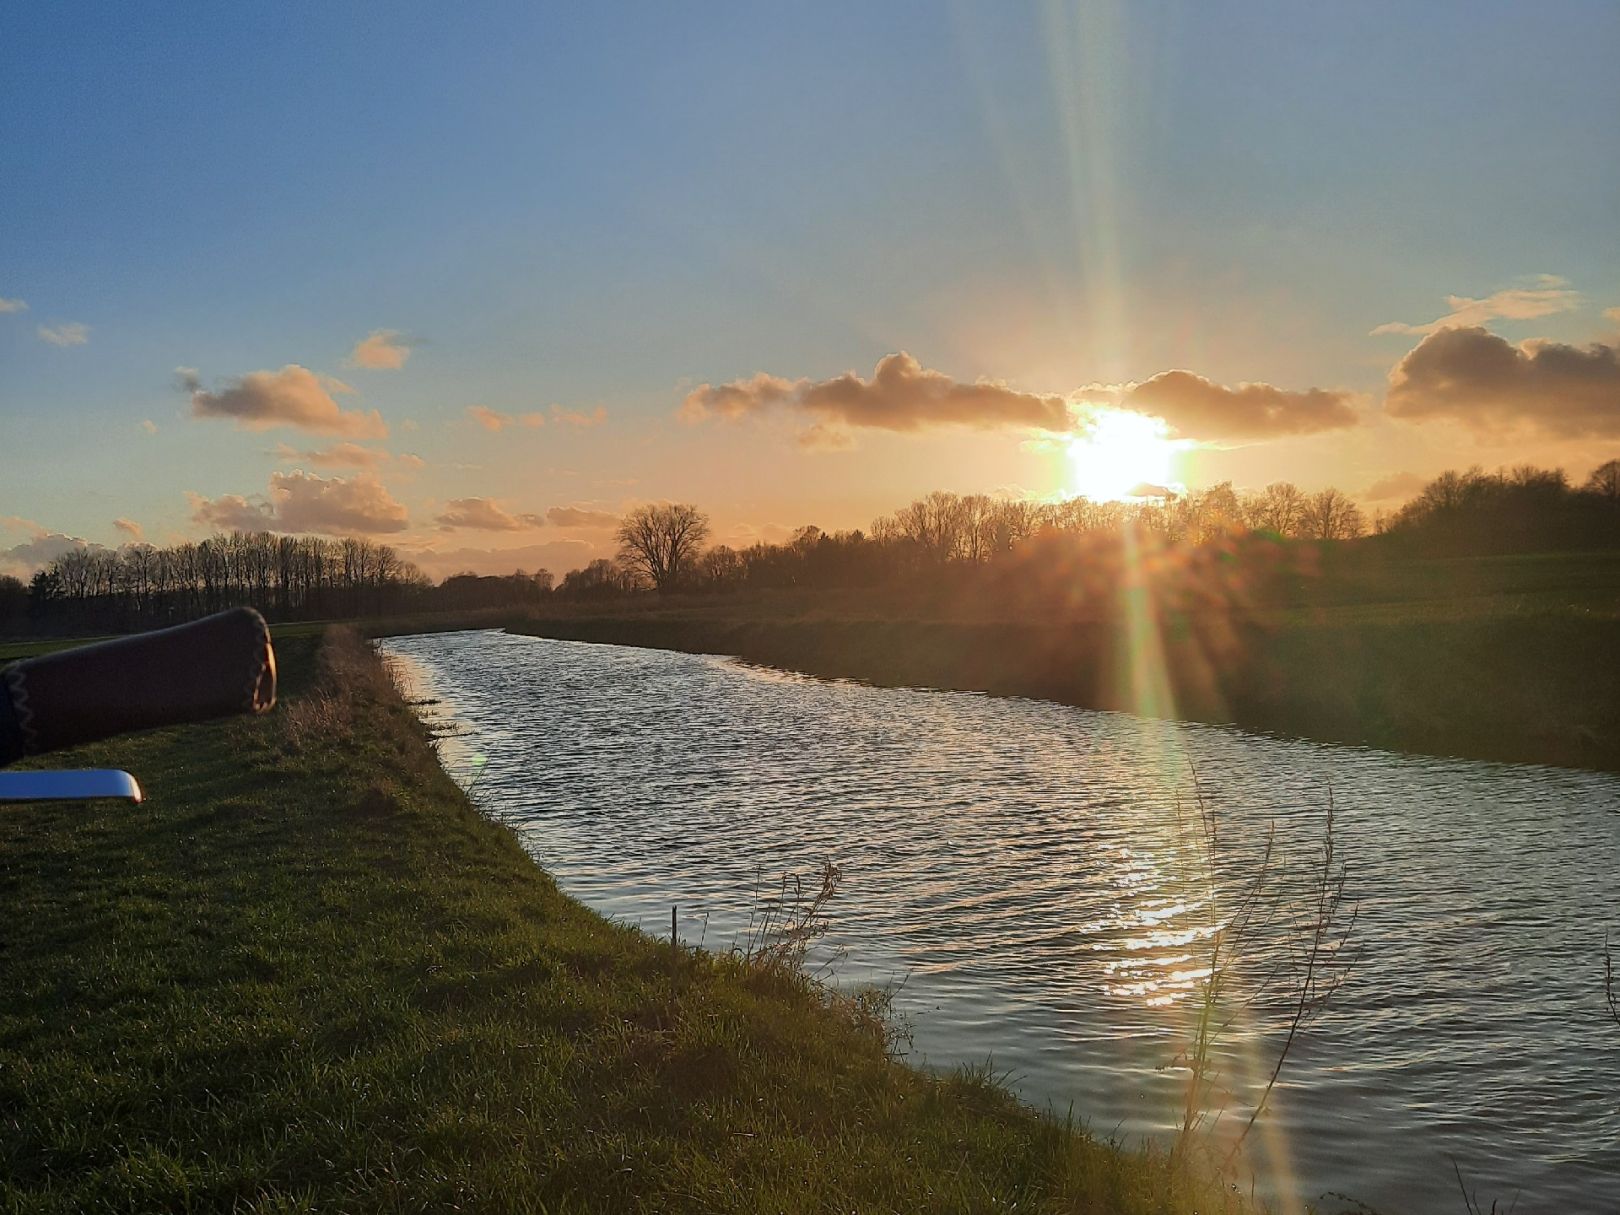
[{"x": 1038, "y": 884}]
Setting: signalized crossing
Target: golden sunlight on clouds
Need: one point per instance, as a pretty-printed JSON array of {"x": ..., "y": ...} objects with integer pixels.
[
  {"x": 493, "y": 419},
  {"x": 484, "y": 514},
  {"x": 1490, "y": 385},
  {"x": 381, "y": 350},
  {"x": 294, "y": 396},
  {"x": 300, "y": 502},
  {"x": 906, "y": 397}
]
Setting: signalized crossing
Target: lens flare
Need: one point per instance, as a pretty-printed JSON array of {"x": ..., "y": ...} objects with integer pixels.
[{"x": 1119, "y": 456}]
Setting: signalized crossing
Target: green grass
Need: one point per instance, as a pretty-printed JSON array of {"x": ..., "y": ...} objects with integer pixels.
[{"x": 305, "y": 975}]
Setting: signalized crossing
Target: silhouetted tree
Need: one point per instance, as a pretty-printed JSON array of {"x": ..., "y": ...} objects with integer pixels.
[
  {"x": 1605, "y": 482},
  {"x": 661, "y": 543}
]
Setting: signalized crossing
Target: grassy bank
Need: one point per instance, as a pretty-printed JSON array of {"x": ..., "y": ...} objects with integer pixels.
[
  {"x": 1512, "y": 659},
  {"x": 306, "y": 975}
]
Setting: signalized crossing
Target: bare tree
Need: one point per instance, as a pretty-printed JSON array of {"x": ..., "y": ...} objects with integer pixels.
[
  {"x": 1605, "y": 481},
  {"x": 661, "y": 543},
  {"x": 1331, "y": 515}
]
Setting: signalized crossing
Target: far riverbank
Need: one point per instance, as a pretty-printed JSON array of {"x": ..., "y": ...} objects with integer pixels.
[{"x": 1533, "y": 688}]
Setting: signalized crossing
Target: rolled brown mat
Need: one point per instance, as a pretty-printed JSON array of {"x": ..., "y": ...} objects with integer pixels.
[{"x": 214, "y": 667}]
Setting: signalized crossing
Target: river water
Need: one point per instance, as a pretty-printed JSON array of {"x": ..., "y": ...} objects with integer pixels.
[{"x": 1041, "y": 886}]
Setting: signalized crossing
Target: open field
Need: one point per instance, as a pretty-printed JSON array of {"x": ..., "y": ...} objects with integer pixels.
[{"x": 306, "y": 975}]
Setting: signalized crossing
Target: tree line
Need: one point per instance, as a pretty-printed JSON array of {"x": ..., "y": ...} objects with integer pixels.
[
  {"x": 1474, "y": 512},
  {"x": 665, "y": 548},
  {"x": 140, "y": 586}
]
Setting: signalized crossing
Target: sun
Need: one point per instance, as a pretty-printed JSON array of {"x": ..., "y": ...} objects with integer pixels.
[{"x": 1118, "y": 453}]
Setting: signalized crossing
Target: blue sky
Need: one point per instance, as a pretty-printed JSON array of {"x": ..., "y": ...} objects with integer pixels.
[{"x": 608, "y": 207}]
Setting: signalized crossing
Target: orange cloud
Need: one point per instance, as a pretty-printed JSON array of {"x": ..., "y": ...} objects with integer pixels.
[
  {"x": 484, "y": 514},
  {"x": 904, "y": 396},
  {"x": 294, "y": 396},
  {"x": 1196, "y": 408},
  {"x": 130, "y": 528},
  {"x": 1487, "y": 383},
  {"x": 381, "y": 350},
  {"x": 578, "y": 418},
  {"x": 491, "y": 419},
  {"x": 301, "y": 502},
  {"x": 340, "y": 455},
  {"x": 579, "y": 516}
]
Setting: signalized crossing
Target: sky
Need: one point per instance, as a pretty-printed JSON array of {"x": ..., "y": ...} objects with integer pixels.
[{"x": 473, "y": 280}]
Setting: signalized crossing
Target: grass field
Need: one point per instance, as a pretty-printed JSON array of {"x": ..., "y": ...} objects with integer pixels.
[{"x": 305, "y": 975}]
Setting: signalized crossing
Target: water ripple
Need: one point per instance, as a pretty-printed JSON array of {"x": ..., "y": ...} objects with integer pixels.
[{"x": 1034, "y": 872}]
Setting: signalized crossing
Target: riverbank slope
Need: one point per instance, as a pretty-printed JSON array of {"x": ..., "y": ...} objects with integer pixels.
[{"x": 307, "y": 975}]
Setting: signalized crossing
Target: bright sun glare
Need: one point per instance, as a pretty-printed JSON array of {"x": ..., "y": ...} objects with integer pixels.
[{"x": 1119, "y": 452}]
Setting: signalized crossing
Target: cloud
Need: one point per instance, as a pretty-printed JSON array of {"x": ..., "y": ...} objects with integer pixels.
[
  {"x": 579, "y": 516},
  {"x": 381, "y": 350},
  {"x": 1196, "y": 408},
  {"x": 294, "y": 396},
  {"x": 1546, "y": 295},
  {"x": 1612, "y": 314},
  {"x": 904, "y": 396},
  {"x": 149, "y": 426},
  {"x": 1487, "y": 383},
  {"x": 484, "y": 514},
  {"x": 28, "y": 558},
  {"x": 339, "y": 455},
  {"x": 13, "y": 305},
  {"x": 410, "y": 462},
  {"x": 231, "y": 513},
  {"x": 578, "y": 418},
  {"x": 492, "y": 419},
  {"x": 68, "y": 333},
  {"x": 130, "y": 528},
  {"x": 1148, "y": 489},
  {"x": 558, "y": 556},
  {"x": 1396, "y": 485},
  {"x": 301, "y": 502},
  {"x": 825, "y": 437}
]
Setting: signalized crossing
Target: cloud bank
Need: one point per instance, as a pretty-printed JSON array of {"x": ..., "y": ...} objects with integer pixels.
[
  {"x": 34, "y": 554},
  {"x": 901, "y": 395},
  {"x": 300, "y": 502},
  {"x": 294, "y": 396},
  {"x": 904, "y": 396},
  {"x": 1490, "y": 385}
]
